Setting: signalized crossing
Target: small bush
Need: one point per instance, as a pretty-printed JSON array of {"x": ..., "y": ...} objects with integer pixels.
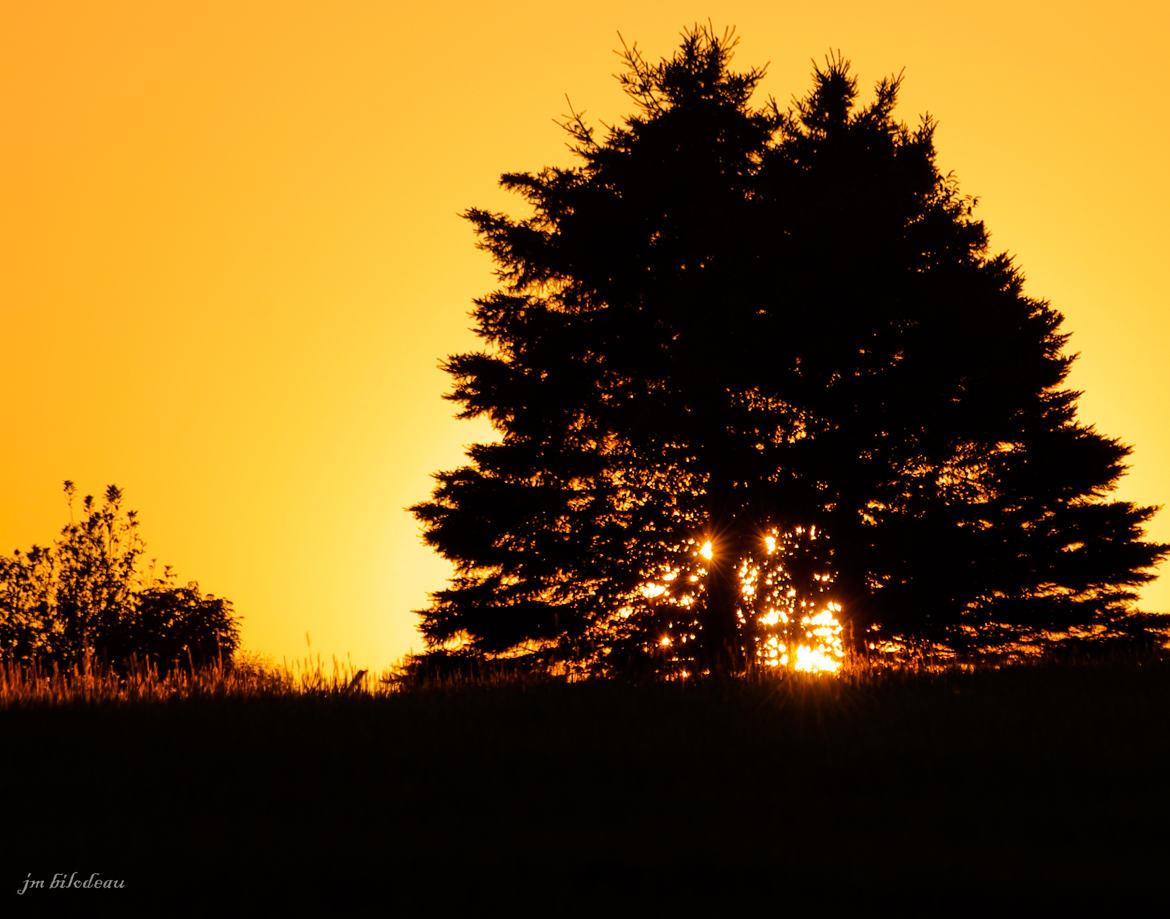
[{"x": 85, "y": 598}]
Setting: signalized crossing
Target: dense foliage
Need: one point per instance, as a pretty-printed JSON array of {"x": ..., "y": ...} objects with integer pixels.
[
  {"x": 751, "y": 365},
  {"x": 85, "y": 599}
]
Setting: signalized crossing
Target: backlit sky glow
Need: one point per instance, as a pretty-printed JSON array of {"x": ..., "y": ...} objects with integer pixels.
[{"x": 231, "y": 257}]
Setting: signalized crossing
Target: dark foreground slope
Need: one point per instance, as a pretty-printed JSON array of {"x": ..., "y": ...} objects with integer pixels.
[{"x": 924, "y": 793}]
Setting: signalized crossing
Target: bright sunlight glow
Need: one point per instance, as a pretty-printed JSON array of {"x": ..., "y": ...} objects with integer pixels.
[{"x": 793, "y": 621}]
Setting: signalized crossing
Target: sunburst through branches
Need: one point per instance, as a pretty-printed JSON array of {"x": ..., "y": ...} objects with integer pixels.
[{"x": 786, "y": 611}]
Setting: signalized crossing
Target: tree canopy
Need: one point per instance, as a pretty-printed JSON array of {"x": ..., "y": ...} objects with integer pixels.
[
  {"x": 754, "y": 372},
  {"x": 86, "y": 598}
]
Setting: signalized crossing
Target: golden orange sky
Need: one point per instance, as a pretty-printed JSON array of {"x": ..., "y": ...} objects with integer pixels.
[{"x": 231, "y": 257}]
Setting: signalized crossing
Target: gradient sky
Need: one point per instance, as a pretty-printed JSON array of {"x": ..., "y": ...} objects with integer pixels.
[{"x": 231, "y": 257}]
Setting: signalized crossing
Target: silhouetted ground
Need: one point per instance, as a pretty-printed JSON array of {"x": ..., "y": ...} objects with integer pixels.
[{"x": 916, "y": 793}]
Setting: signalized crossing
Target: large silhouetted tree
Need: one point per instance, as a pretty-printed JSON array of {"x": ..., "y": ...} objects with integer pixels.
[{"x": 748, "y": 365}]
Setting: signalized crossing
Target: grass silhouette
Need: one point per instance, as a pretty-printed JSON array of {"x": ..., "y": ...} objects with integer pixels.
[{"x": 1040, "y": 781}]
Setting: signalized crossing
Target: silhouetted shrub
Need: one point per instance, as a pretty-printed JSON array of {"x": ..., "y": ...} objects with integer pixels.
[{"x": 85, "y": 598}]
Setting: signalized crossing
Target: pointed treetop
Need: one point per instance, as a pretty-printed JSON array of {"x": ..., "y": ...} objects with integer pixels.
[{"x": 697, "y": 71}]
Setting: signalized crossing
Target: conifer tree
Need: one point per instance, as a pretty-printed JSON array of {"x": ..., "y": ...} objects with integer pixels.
[{"x": 748, "y": 366}]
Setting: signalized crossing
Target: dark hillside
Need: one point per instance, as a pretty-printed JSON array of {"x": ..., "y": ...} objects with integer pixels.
[{"x": 1037, "y": 783}]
